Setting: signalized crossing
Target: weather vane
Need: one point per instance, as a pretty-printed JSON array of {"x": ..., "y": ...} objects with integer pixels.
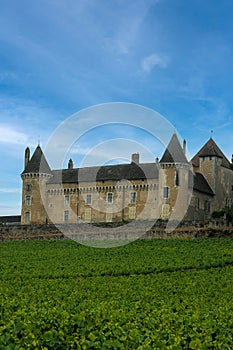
[{"x": 211, "y": 133}]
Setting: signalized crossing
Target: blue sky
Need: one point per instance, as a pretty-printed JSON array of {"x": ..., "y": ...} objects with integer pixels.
[{"x": 58, "y": 57}]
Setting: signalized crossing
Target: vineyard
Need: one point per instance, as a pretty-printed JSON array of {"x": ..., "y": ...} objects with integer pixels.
[{"x": 150, "y": 294}]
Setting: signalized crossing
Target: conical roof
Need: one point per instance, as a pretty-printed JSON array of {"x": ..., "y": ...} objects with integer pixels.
[
  {"x": 210, "y": 149},
  {"x": 38, "y": 163},
  {"x": 174, "y": 152}
]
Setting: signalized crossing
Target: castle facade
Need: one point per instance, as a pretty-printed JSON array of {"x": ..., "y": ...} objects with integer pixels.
[{"x": 172, "y": 188}]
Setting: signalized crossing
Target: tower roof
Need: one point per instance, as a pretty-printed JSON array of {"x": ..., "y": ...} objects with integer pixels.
[
  {"x": 210, "y": 149},
  {"x": 38, "y": 163},
  {"x": 174, "y": 152}
]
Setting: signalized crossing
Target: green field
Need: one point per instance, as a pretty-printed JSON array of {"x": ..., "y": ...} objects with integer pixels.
[{"x": 150, "y": 294}]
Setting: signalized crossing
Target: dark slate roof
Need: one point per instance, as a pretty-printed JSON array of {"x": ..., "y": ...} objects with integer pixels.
[
  {"x": 201, "y": 185},
  {"x": 104, "y": 173},
  {"x": 38, "y": 163},
  {"x": 174, "y": 152},
  {"x": 210, "y": 149},
  {"x": 11, "y": 219}
]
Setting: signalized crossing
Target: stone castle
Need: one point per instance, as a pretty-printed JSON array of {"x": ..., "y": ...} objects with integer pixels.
[{"x": 172, "y": 188}]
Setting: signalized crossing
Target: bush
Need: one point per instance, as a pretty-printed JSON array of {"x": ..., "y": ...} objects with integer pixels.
[{"x": 218, "y": 214}]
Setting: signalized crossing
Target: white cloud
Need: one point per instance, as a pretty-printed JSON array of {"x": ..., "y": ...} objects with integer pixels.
[
  {"x": 153, "y": 60},
  {"x": 10, "y": 210},
  {"x": 10, "y": 190},
  {"x": 114, "y": 151},
  {"x": 9, "y": 135}
]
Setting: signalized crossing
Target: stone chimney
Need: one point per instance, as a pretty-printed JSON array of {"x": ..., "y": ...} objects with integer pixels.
[
  {"x": 70, "y": 164},
  {"x": 184, "y": 147},
  {"x": 27, "y": 157},
  {"x": 135, "y": 158}
]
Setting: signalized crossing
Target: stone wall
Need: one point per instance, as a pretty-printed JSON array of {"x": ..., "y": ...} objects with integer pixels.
[{"x": 108, "y": 231}]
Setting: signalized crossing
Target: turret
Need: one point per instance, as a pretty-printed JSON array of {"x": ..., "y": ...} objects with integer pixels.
[
  {"x": 35, "y": 176},
  {"x": 173, "y": 181},
  {"x": 210, "y": 160}
]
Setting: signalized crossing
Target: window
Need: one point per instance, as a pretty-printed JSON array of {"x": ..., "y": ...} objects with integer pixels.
[
  {"x": 27, "y": 217},
  {"x": 28, "y": 200},
  {"x": 67, "y": 200},
  {"x": 87, "y": 215},
  {"x": 177, "y": 180},
  {"x": 207, "y": 206},
  {"x": 108, "y": 216},
  {"x": 88, "y": 199},
  {"x": 133, "y": 197},
  {"x": 132, "y": 213},
  {"x": 110, "y": 197},
  {"x": 66, "y": 215},
  {"x": 166, "y": 192},
  {"x": 197, "y": 203},
  {"x": 28, "y": 187},
  {"x": 165, "y": 211}
]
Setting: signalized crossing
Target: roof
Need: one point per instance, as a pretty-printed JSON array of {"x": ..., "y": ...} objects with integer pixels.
[
  {"x": 117, "y": 172},
  {"x": 201, "y": 185},
  {"x": 174, "y": 152},
  {"x": 38, "y": 163},
  {"x": 11, "y": 219},
  {"x": 210, "y": 149}
]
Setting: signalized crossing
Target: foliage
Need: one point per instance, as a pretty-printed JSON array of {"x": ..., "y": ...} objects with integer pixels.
[
  {"x": 151, "y": 294},
  {"x": 229, "y": 213},
  {"x": 218, "y": 214}
]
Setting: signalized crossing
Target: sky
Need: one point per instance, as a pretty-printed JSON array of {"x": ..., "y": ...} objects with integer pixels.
[{"x": 60, "y": 57}]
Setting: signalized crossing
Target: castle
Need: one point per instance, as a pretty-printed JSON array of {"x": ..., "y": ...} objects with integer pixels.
[{"x": 172, "y": 188}]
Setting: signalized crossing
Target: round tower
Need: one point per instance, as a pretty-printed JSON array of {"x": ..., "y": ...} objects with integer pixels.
[
  {"x": 174, "y": 181},
  {"x": 35, "y": 176}
]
